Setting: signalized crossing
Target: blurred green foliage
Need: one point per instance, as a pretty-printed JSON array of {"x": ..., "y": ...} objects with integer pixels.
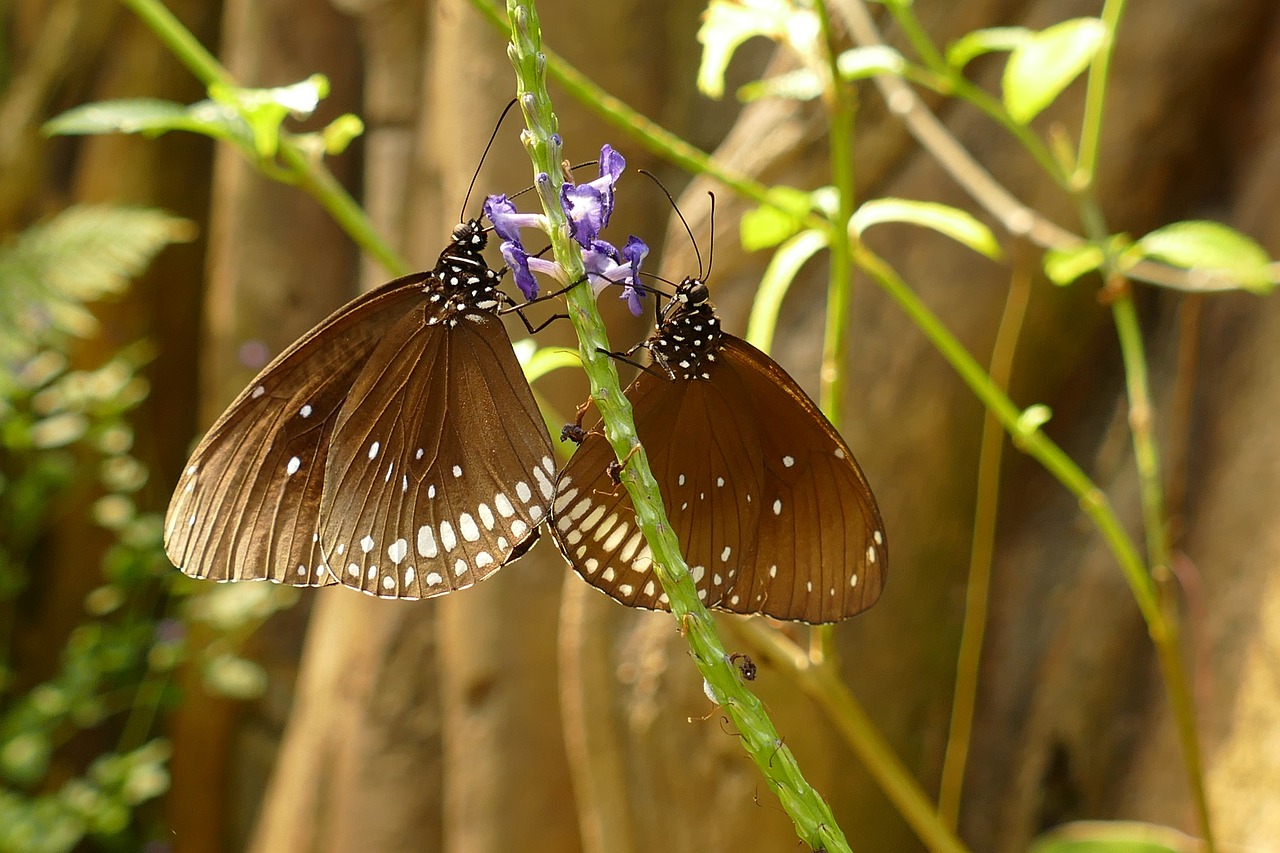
[{"x": 65, "y": 436}]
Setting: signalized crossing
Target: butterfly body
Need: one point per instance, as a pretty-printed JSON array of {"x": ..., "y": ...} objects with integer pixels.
[
  {"x": 772, "y": 513},
  {"x": 395, "y": 448}
]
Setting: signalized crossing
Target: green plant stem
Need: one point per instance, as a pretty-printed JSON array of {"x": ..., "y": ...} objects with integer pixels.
[
  {"x": 1096, "y": 96},
  {"x": 823, "y": 684},
  {"x": 1034, "y": 442},
  {"x": 1162, "y": 628},
  {"x": 813, "y": 819},
  {"x": 639, "y": 127},
  {"x": 969, "y": 658},
  {"x": 307, "y": 171},
  {"x": 841, "y": 112}
]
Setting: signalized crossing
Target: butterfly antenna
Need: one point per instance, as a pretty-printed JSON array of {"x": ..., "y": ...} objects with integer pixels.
[
  {"x": 476, "y": 175},
  {"x": 683, "y": 222},
  {"x": 711, "y": 251}
]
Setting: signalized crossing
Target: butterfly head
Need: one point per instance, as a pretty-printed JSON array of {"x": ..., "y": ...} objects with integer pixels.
[
  {"x": 687, "y": 340},
  {"x": 462, "y": 285}
]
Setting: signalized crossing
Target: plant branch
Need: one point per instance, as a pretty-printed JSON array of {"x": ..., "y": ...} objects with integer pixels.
[{"x": 812, "y": 817}]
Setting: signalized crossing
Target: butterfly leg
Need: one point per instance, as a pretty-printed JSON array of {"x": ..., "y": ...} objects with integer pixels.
[{"x": 615, "y": 467}]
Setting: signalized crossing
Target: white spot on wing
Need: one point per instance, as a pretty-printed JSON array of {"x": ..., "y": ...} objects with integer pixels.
[
  {"x": 519, "y": 528},
  {"x": 434, "y": 579},
  {"x": 615, "y": 538},
  {"x": 447, "y": 539},
  {"x": 523, "y": 492},
  {"x": 397, "y": 551},
  {"x": 305, "y": 411},
  {"x": 373, "y": 449},
  {"x": 777, "y": 507},
  {"x": 788, "y": 461},
  {"x": 724, "y": 555},
  {"x": 486, "y": 516},
  {"x": 366, "y": 544},
  {"x": 292, "y": 468},
  {"x": 505, "y": 509},
  {"x": 467, "y": 527},
  {"x": 460, "y": 567},
  {"x": 258, "y": 392},
  {"x": 544, "y": 484},
  {"x": 483, "y": 559},
  {"x": 457, "y": 471}
]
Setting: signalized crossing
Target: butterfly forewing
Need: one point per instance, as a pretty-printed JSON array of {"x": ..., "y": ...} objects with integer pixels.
[
  {"x": 246, "y": 506},
  {"x": 441, "y": 470}
]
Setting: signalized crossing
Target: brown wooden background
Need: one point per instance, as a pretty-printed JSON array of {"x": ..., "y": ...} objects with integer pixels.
[{"x": 531, "y": 713}]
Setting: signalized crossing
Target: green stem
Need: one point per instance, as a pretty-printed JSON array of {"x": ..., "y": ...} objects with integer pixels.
[
  {"x": 1033, "y": 442},
  {"x": 835, "y": 345},
  {"x": 1146, "y": 456},
  {"x": 812, "y": 817},
  {"x": 643, "y": 130},
  {"x": 307, "y": 171},
  {"x": 969, "y": 658},
  {"x": 823, "y": 684},
  {"x": 181, "y": 43},
  {"x": 1095, "y": 98},
  {"x": 841, "y": 112}
]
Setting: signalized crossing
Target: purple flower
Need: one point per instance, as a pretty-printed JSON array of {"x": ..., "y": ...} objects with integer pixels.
[
  {"x": 507, "y": 222},
  {"x": 588, "y": 207},
  {"x": 606, "y": 265}
]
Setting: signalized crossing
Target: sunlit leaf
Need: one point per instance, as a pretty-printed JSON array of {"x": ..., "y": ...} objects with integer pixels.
[
  {"x": 152, "y": 117},
  {"x": 1064, "y": 266},
  {"x": 957, "y": 224},
  {"x": 863, "y": 62},
  {"x": 778, "y": 276},
  {"x": 1044, "y": 64},
  {"x": 1114, "y": 837},
  {"x": 727, "y": 24},
  {"x": 973, "y": 44},
  {"x": 799, "y": 85},
  {"x": 266, "y": 109},
  {"x": 770, "y": 224},
  {"x": 1213, "y": 250}
]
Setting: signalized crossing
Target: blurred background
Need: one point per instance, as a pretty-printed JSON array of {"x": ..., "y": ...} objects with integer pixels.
[{"x": 141, "y": 710}]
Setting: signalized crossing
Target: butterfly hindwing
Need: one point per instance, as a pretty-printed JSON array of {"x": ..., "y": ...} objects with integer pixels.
[{"x": 771, "y": 511}]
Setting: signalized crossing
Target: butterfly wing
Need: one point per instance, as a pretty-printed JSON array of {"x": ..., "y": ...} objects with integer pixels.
[
  {"x": 593, "y": 519},
  {"x": 247, "y": 505},
  {"x": 819, "y": 524},
  {"x": 771, "y": 511},
  {"x": 442, "y": 468}
]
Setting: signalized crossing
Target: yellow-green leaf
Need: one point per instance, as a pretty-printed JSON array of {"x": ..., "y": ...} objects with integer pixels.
[
  {"x": 957, "y": 224},
  {"x": 1211, "y": 249},
  {"x": 1044, "y": 64}
]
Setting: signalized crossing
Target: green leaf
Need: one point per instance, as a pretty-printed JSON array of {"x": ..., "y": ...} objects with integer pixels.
[
  {"x": 1032, "y": 418},
  {"x": 799, "y": 85},
  {"x": 1213, "y": 250},
  {"x": 1046, "y": 63},
  {"x": 727, "y": 24},
  {"x": 266, "y": 109},
  {"x": 950, "y": 221},
  {"x": 340, "y": 132},
  {"x": 863, "y": 62},
  {"x": 768, "y": 225},
  {"x": 1064, "y": 266},
  {"x": 782, "y": 270},
  {"x": 546, "y": 360},
  {"x": 152, "y": 117},
  {"x": 970, "y": 46},
  {"x": 1114, "y": 837}
]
